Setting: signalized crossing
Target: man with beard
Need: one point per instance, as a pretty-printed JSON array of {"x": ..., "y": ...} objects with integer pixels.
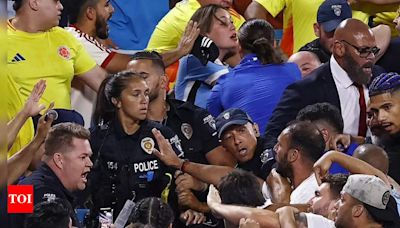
[
  {"x": 299, "y": 146},
  {"x": 321, "y": 206},
  {"x": 340, "y": 82},
  {"x": 384, "y": 118}
]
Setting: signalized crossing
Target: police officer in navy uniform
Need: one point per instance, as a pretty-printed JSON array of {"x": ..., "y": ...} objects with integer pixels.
[
  {"x": 122, "y": 143},
  {"x": 194, "y": 125},
  {"x": 64, "y": 170}
]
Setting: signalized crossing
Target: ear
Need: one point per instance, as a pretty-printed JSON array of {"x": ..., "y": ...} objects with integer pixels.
[
  {"x": 325, "y": 134},
  {"x": 164, "y": 81},
  {"x": 58, "y": 160},
  {"x": 34, "y": 4},
  {"x": 116, "y": 102},
  {"x": 317, "y": 31},
  {"x": 91, "y": 13},
  {"x": 256, "y": 130},
  {"x": 357, "y": 210},
  {"x": 338, "y": 48},
  {"x": 293, "y": 155}
]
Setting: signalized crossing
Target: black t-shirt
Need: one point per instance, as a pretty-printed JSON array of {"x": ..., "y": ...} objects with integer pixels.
[
  {"x": 316, "y": 48},
  {"x": 195, "y": 127},
  {"x": 124, "y": 168},
  {"x": 46, "y": 186},
  {"x": 392, "y": 148},
  {"x": 262, "y": 162}
]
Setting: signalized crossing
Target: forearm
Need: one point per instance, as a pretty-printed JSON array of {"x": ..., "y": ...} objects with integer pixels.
[
  {"x": 210, "y": 174},
  {"x": 172, "y": 56},
  {"x": 354, "y": 165},
  {"x": 20, "y": 161},
  {"x": 233, "y": 214},
  {"x": 14, "y": 126},
  {"x": 382, "y": 35}
]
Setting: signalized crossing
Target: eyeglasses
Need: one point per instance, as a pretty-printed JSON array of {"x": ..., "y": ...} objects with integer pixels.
[{"x": 364, "y": 52}]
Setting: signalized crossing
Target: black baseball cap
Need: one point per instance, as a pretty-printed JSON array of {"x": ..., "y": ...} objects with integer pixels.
[
  {"x": 233, "y": 116},
  {"x": 332, "y": 12}
]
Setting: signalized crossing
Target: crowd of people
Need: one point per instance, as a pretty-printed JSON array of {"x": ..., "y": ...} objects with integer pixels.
[{"x": 204, "y": 117}]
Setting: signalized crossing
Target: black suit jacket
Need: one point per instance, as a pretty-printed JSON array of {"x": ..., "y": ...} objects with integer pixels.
[{"x": 316, "y": 88}]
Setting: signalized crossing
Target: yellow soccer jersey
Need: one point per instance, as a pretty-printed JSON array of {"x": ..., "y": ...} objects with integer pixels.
[
  {"x": 169, "y": 30},
  {"x": 54, "y": 55},
  {"x": 298, "y": 14}
]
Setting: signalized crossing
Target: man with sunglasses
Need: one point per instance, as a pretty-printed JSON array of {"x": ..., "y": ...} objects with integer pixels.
[{"x": 341, "y": 82}]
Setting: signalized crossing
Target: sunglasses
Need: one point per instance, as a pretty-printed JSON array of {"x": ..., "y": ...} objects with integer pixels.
[{"x": 364, "y": 52}]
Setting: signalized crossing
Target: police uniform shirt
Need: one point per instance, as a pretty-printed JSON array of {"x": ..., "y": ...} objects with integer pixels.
[
  {"x": 316, "y": 48},
  {"x": 195, "y": 127},
  {"x": 46, "y": 187},
  {"x": 125, "y": 167},
  {"x": 262, "y": 161}
]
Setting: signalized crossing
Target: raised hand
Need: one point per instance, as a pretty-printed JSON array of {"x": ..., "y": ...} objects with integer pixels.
[{"x": 32, "y": 106}]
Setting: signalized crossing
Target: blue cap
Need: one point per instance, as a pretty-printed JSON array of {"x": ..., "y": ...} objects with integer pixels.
[
  {"x": 233, "y": 116},
  {"x": 332, "y": 12}
]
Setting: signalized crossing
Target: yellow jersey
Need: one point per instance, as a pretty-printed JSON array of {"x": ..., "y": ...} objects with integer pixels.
[
  {"x": 54, "y": 55},
  {"x": 169, "y": 30}
]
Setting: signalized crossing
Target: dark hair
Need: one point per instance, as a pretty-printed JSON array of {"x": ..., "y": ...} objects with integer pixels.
[
  {"x": 322, "y": 111},
  {"x": 17, "y": 4},
  {"x": 336, "y": 183},
  {"x": 50, "y": 214},
  {"x": 306, "y": 137},
  {"x": 240, "y": 188},
  {"x": 111, "y": 87},
  {"x": 152, "y": 211},
  {"x": 204, "y": 16},
  {"x": 154, "y": 56},
  {"x": 384, "y": 83},
  {"x": 76, "y": 8},
  {"x": 59, "y": 138},
  {"x": 257, "y": 36}
]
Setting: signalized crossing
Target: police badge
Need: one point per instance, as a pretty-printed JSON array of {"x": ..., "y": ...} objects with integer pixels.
[
  {"x": 187, "y": 130},
  {"x": 337, "y": 9},
  {"x": 147, "y": 145}
]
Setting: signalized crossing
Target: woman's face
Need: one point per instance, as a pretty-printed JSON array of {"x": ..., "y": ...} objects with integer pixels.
[
  {"x": 222, "y": 31},
  {"x": 133, "y": 101}
]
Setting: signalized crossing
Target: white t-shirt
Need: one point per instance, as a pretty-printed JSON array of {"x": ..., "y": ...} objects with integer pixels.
[
  {"x": 301, "y": 195},
  {"x": 318, "y": 221},
  {"x": 83, "y": 99},
  {"x": 305, "y": 191}
]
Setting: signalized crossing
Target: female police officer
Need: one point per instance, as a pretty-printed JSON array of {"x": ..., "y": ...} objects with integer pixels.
[{"x": 122, "y": 144}]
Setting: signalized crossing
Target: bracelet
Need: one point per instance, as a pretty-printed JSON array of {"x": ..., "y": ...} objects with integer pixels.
[{"x": 184, "y": 163}]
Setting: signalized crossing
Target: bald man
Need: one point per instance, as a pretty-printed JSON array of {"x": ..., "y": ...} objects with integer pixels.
[
  {"x": 354, "y": 50},
  {"x": 373, "y": 155},
  {"x": 306, "y": 61}
]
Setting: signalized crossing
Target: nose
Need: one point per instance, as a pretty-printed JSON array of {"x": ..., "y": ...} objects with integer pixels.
[
  {"x": 336, "y": 206},
  {"x": 236, "y": 139},
  {"x": 111, "y": 9},
  {"x": 60, "y": 6},
  {"x": 90, "y": 163},
  {"x": 381, "y": 116}
]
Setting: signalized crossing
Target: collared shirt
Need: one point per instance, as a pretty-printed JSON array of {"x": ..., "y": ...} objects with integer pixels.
[
  {"x": 125, "y": 166},
  {"x": 195, "y": 128},
  {"x": 259, "y": 91},
  {"x": 46, "y": 187},
  {"x": 348, "y": 96}
]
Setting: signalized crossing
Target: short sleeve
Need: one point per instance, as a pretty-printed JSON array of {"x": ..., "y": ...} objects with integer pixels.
[
  {"x": 208, "y": 132},
  {"x": 273, "y": 7},
  {"x": 173, "y": 139},
  {"x": 83, "y": 62}
]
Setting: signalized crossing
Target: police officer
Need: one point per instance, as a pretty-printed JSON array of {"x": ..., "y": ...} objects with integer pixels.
[
  {"x": 193, "y": 125},
  {"x": 239, "y": 136},
  {"x": 123, "y": 145},
  {"x": 65, "y": 168}
]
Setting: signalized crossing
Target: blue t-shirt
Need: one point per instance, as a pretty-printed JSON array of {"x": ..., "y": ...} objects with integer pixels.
[
  {"x": 134, "y": 21},
  {"x": 195, "y": 81},
  {"x": 253, "y": 87},
  {"x": 336, "y": 168}
]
